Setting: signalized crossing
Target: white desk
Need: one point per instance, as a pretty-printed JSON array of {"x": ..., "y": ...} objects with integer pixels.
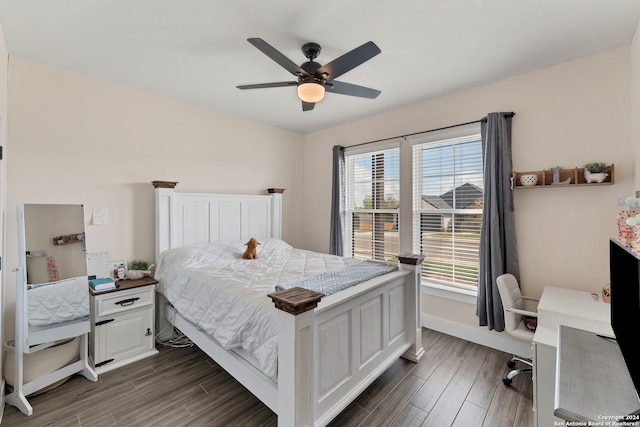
[
  {"x": 560, "y": 306},
  {"x": 599, "y": 386}
]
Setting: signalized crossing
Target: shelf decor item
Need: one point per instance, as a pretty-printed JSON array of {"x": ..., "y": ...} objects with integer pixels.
[
  {"x": 530, "y": 179},
  {"x": 117, "y": 269},
  {"x": 138, "y": 269},
  {"x": 595, "y": 172},
  {"x": 556, "y": 176},
  {"x": 629, "y": 231}
]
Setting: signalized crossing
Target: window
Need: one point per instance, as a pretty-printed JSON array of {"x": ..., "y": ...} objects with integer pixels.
[
  {"x": 372, "y": 203},
  {"x": 447, "y": 210}
]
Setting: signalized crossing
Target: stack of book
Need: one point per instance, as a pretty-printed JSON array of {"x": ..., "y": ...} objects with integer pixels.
[{"x": 102, "y": 285}]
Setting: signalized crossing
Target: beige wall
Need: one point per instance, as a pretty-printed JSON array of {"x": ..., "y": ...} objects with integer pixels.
[
  {"x": 566, "y": 115},
  {"x": 80, "y": 140}
]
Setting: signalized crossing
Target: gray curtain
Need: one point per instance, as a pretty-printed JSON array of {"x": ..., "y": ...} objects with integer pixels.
[
  {"x": 336, "y": 246},
  {"x": 498, "y": 251}
]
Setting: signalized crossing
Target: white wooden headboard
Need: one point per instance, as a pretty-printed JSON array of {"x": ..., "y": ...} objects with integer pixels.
[{"x": 190, "y": 218}]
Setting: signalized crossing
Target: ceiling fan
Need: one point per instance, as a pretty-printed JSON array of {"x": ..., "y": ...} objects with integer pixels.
[{"x": 314, "y": 79}]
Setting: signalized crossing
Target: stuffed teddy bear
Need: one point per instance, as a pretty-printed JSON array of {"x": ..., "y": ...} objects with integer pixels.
[{"x": 250, "y": 253}]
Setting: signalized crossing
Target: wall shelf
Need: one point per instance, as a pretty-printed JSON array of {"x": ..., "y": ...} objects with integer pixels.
[
  {"x": 545, "y": 178},
  {"x": 68, "y": 239}
]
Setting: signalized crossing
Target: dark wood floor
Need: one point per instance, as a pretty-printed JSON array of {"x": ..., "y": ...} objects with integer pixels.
[{"x": 457, "y": 383}]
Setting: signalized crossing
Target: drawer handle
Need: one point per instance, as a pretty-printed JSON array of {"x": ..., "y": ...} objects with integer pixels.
[
  {"x": 126, "y": 302},
  {"x": 103, "y": 322}
]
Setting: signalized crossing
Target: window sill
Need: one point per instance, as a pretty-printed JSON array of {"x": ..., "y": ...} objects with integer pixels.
[{"x": 441, "y": 291}]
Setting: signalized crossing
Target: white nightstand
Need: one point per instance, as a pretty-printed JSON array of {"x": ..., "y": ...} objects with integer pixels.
[{"x": 122, "y": 324}]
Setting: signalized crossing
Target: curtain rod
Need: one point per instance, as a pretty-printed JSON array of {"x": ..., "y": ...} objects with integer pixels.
[{"x": 511, "y": 114}]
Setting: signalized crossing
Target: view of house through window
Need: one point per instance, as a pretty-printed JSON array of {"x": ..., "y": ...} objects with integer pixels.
[
  {"x": 447, "y": 209},
  {"x": 372, "y": 202}
]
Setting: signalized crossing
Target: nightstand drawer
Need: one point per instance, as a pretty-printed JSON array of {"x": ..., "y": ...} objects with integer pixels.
[{"x": 118, "y": 302}]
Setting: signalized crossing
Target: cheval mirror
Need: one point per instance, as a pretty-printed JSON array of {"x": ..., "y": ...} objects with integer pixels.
[{"x": 52, "y": 301}]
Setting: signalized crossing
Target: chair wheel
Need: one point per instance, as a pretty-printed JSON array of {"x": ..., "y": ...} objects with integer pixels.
[
  {"x": 511, "y": 363},
  {"x": 506, "y": 381}
]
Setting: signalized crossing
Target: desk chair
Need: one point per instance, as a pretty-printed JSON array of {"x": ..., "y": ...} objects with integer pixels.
[{"x": 514, "y": 325}]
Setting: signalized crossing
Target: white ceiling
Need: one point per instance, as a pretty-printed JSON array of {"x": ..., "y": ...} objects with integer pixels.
[{"x": 196, "y": 50}]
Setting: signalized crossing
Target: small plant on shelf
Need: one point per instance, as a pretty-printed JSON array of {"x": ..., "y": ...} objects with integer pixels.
[
  {"x": 595, "y": 172},
  {"x": 139, "y": 265},
  {"x": 138, "y": 269},
  {"x": 596, "y": 167}
]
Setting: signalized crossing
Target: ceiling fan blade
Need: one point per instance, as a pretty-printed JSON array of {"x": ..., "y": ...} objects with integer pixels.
[
  {"x": 308, "y": 106},
  {"x": 349, "y": 61},
  {"x": 266, "y": 85},
  {"x": 351, "y": 89},
  {"x": 278, "y": 57}
]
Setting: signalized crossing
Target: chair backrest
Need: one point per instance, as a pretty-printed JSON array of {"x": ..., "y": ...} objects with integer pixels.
[{"x": 511, "y": 298}]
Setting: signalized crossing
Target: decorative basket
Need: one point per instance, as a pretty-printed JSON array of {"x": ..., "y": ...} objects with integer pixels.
[
  {"x": 135, "y": 274},
  {"x": 139, "y": 274},
  {"x": 40, "y": 363}
]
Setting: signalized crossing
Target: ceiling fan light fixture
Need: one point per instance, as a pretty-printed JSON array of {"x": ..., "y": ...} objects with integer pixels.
[{"x": 311, "y": 92}]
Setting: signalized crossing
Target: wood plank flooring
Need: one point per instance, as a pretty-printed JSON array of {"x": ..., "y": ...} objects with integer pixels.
[{"x": 457, "y": 383}]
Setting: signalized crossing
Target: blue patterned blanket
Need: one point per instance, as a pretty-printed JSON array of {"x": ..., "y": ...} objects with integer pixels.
[{"x": 334, "y": 281}]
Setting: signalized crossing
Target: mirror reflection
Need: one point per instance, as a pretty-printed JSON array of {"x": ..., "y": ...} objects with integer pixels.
[{"x": 54, "y": 242}]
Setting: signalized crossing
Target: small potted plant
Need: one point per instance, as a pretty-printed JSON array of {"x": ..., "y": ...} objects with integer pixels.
[
  {"x": 595, "y": 171},
  {"x": 138, "y": 269},
  {"x": 139, "y": 265}
]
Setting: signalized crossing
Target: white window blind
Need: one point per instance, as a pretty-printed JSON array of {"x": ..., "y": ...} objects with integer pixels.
[
  {"x": 372, "y": 203},
  {"x": 447, "y": 209}
]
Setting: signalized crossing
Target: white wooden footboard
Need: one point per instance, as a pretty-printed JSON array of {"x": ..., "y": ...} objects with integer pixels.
[{"x": 329, "y": 354}]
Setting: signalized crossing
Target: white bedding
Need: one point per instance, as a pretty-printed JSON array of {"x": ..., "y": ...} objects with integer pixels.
[
  {"x": 57, "y": 302},
  {"x": 225, "y": 295}
]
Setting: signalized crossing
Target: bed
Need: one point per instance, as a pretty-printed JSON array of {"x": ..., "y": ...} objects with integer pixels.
[{"x": 325, "y": 349}]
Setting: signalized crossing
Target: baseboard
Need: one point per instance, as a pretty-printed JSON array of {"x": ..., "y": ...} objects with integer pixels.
[{"x": 477, "y": 334}]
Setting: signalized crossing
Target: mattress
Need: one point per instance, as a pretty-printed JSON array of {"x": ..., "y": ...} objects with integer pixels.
[
  {"x": 57, "y": 302},
  {"x": 213, "y": 287}
]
